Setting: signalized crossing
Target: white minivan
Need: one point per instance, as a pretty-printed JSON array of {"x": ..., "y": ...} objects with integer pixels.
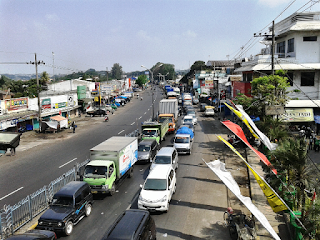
[{"x": 157, "y": 190}]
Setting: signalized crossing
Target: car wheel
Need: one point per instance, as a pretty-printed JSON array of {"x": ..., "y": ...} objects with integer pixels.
[
  {"x": 189, "y": 152},
  {"x": 112, "y": 190},
  {"x": 167, "y": 207},
  {"x": 69, "y": 228},
  {"x": 88, "y": 209}
]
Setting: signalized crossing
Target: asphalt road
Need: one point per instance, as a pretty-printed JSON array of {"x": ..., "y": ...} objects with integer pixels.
[
  {"x": 30, "y": 170},
  {"x": 197, "y": 207}
]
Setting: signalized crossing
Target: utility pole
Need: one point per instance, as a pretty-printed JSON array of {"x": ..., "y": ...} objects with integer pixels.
[
  {"x": 272, "y": 45},
  {"x": 272, "y": 54},
  {"x": 36, "y": 63}
]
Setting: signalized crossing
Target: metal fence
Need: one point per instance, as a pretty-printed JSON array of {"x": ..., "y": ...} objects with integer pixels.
[{"x": 14, "y": 217}]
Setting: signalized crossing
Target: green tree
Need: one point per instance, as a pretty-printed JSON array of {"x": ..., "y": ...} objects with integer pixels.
[
  {"x": 116, "y": 71},
  {"x": 142, "y": 79}
]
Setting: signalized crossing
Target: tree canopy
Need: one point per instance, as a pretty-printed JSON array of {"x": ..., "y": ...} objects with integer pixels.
[
  {"x": 116, "y": 71},
  {"x": 142, "y": 79}
]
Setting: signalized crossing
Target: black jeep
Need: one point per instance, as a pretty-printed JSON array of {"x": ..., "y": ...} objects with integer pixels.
[{"x": 69, "y": 205}]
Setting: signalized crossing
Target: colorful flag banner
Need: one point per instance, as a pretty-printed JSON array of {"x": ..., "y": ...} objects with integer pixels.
[
  {"x": 236, "y": 129},
  {"x": 243, "y": 119},
  {"x": 276, "y": 203},
  {"x": 264, "y": 139},
  {"x": 225, "y": 176}
]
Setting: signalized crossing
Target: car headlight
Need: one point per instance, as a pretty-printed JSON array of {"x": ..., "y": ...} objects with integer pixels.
[
  {"x": 105, "y": 187},
  {"x": 60, "y": 224},
  {"x": 164, "y": 199},
  {"x": 141, "y": 198},
  {"x": 40, "y": 223}
]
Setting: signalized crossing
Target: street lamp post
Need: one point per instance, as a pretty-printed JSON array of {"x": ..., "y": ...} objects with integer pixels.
[{"x": 151, "y": 87}]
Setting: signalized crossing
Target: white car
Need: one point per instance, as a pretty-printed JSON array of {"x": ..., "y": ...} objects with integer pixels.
[
  {"x": 157, "y": 190},
  {"x": 209, "y": 112},
  {"x": 187, "y": 119}
]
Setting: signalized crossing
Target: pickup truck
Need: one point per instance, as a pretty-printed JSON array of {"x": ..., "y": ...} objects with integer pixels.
[{"x": 111, "y": 161}]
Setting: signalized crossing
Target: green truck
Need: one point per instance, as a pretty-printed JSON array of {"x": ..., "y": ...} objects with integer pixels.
[
  {"x": 154, "y": 130},
  {"x": 111, "y": 161}
]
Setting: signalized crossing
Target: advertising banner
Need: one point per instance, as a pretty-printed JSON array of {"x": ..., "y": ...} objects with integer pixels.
[
  {"x": 17, "y": 104},
  {"x": 298, "y": 115},
  {"x": 60, "y": 105},
  {"x": 46, "y": 104}
]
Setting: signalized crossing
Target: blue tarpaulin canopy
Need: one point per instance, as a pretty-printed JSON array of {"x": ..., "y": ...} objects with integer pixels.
[{"x": 185, "y": 130}]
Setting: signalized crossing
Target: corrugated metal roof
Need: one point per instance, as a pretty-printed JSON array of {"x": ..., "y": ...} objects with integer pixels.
[
  {"x": 285, "y": 66},
  {"x": 20, "y": 114}
]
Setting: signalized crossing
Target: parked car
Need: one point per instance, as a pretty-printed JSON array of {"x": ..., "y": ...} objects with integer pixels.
[
  {"x": 209, "y": 112},
  {"x": 166, "y": 156},
  {"x": 157, "y": 190},
  {"x": 109, "y": 109},
  {"x": 34, "y": 235},
  {"x": 68, "y": 206},
  {"x": 147, "y": 150},
  {"x": 97, "y": 112},
  {"x": 132, "y": 224}
]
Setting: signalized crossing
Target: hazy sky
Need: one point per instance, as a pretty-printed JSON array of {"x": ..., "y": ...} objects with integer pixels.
[{"x": 85, "y": 34}]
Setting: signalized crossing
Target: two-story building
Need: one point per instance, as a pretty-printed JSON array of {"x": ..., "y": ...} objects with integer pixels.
[{"x": 297, "y": 50}]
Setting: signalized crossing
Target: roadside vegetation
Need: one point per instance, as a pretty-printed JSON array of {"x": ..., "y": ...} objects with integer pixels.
[{"x": 297, "y": 181}]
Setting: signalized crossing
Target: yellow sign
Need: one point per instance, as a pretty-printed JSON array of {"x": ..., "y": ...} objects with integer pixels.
[
  {"x": 298, "y": 115},
  {"x": 274, "y": 200}
]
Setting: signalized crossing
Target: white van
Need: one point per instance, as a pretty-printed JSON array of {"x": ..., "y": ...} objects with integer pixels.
[
  {"x": 166, "y": 156},
  {"x": 157, "y": 190},
  {"x": 183, "y": 143}
]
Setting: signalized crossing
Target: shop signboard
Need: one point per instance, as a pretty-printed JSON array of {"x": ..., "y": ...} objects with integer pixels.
[
  {"x": 274, "y": 110},
  {"x": 60, "y": 105},
  {"x": 46, "y": 104},
  {"x": 298, "y": 115},
  {"x": 16, "y": 104}
]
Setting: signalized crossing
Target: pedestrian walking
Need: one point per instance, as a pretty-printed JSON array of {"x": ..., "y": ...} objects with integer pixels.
[
  {"x": 73, "y": 125},
  {"x": 317, "y": 143},
  {"x": 310, "y": 142},
  {"x": 13, "y": 151}
]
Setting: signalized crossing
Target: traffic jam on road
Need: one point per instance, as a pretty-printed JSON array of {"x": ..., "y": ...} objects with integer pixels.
[{"x": 113, "y": 160}]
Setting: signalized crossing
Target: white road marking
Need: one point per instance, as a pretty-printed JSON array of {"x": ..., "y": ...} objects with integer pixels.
[
  {"x": 148, "y": 109},
  {"x": 120, "y": 132},
  {"x": 140, "y": 117},
  {"x": 145, "y": 113},
  {"x": 132, "y": 123},
  {"x": 11, "y": 193},
  {"x": 67, "y": 162}
]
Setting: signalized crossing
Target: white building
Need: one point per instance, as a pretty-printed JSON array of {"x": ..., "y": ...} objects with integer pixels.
[{"x": 297, "y": 50}]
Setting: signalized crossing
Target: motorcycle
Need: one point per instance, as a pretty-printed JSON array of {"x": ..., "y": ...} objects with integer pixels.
[
  {"x": 240, "y": 226},
  {"x": 106, "y": 118},
  {"x": 141, "y": 98},
  {"x": 234, "y": 141}
]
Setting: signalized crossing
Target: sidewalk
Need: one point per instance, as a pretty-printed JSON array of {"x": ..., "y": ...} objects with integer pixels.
[{"x": 277, "y": 221}]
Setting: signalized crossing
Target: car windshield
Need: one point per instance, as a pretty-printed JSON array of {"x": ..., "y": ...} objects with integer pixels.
[
  {"x": 210, "y": 110},
  {"x": 191, "y": 112},
  {"x": 163, "y": 160},
  {"x": 151, "y": 133},
  {"x": 181, "y": 140},
  {"x": 187, "y": 120},
  {"x": 91, "y": 171},
  {"x": 62, "y": 200},
  {"x": 155, "y": 184},
  {"x": 144, "y": 148},
  {"x": 162, "y": 119}
]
